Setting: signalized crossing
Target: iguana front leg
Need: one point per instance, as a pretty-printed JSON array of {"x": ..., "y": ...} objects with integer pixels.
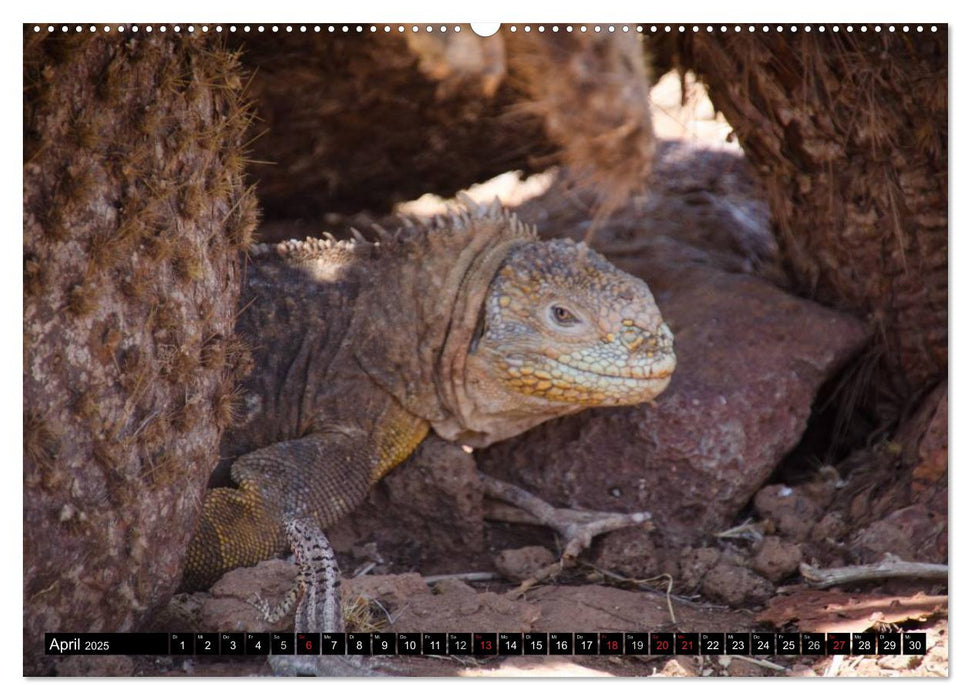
[{"x": 320, "y": 478}]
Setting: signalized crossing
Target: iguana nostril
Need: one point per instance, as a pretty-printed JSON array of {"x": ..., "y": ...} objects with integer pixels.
[{"x": 632, "y": 338}]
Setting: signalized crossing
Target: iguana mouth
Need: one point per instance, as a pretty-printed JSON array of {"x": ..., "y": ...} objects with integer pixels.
[
  {"x": 627, "y": 374},
  {"x": 558, "y": 381}
]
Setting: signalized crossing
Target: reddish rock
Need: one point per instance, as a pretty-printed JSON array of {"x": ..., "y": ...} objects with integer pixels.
[
  {"x": 790, "y": 510},
  {"x": 831, "y": 526},
  {"x": 777, "y": 559},
  {"x": 736, "y": 585},
  {"x": 454, "y": 603},
  {"x": 750, "y": 361},
  {"x": 629, "y": 552},
  {"x": 914, "y": 534},
  {"x": 520, "y": 564},
  {"x": 695, "y": 563}
]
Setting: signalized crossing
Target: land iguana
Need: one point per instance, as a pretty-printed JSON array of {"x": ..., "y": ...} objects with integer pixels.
[{"x": 468, "y": 325}]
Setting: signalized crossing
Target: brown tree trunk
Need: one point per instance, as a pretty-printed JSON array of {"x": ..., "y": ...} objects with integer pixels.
[
  {"x": 364, "y": 121},
  {"x": 848, "y": 132},
  {"x": 352, "y": 122},
  {"x": 135, "y": 211}
]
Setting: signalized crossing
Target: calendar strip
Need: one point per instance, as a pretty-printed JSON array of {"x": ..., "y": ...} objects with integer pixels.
[{"x": 484, "y": 644}]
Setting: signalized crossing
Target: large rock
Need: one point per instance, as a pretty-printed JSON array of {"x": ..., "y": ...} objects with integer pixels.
[
  {"x": 750, "y": 360},
  {"x": 135, "y": 210}
]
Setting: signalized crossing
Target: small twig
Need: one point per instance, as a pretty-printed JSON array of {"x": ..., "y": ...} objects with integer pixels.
[
  {"x": 667, "y": 596},
  {"x": 537, "y": 578},
  {"x": 834, "y": 666},
  {"x": 745, "y": 531},
  {"x": 398, "y": 613},
  {"x": 505, "y": 513},
  {"x": 364, "y": 569},
  {"x": 890, "y": 567},
  {"x": 756, "y": 662},
  {"x": 470, "y": 576},
  {"x": 387, "y": 615},
  {"x": 642, "y": 583}
]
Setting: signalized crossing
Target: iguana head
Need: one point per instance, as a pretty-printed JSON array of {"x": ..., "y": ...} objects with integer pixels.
[
  {"x": 485, "y": 331},
  {"x": 563, "y": 325},
  {"x": 562, "y": 329}
]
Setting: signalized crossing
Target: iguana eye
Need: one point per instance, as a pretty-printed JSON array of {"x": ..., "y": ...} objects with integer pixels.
[{"x": 563, "y": 316}]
